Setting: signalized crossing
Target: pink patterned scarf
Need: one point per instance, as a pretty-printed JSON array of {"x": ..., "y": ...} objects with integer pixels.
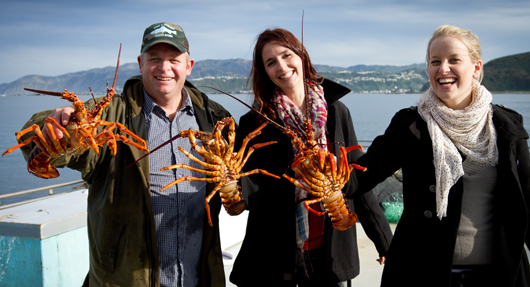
[{"x": 293, "y": 118}]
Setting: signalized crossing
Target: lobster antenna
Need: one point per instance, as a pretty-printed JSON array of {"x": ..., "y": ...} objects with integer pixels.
[
  {"x": 51, "y": 93},
  {"x": 117, "y": 67},
  {"x": 307, "y": 107},
  {"x": 157, "y": 148},
  {"x": 250, "y": 107}
]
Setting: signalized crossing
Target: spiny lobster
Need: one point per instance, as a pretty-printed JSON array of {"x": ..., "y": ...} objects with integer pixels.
[
  {"x": 223, "y": 164},
  {"x": 318, "y": 172},
  {"x": 79, "y": 134}
]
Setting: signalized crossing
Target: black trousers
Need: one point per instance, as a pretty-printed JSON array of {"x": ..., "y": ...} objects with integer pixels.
[{"x": 311, "y": 270}]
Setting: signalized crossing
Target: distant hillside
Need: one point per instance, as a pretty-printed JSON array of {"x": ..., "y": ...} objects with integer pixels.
[
  {"x": 221, "y": 68},
  {"x": 230, "y": 76},
  {"x": 74, "y": 82},
  {"x": 368, "y": 68},
  {"x": 508, "y": 74}
]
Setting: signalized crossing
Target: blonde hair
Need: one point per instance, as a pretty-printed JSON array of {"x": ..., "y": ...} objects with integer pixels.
[{"x": 467, "y": 37}]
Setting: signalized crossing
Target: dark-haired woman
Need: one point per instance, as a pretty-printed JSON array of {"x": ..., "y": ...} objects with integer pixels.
[{"x": 285, "y": 245}]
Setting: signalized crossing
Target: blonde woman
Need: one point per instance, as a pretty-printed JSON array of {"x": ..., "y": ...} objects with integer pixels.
[{"x": 466, "y": 177}]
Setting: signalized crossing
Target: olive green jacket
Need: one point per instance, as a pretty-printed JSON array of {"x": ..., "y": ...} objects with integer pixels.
[{"x": 121, "y": 228}]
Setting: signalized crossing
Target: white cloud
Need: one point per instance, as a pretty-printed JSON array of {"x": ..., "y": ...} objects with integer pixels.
[{"x": 66, "y": 36}]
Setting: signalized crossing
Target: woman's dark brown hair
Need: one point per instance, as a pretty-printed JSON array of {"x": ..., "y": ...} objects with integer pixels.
[{"x": 261, "y": 83}]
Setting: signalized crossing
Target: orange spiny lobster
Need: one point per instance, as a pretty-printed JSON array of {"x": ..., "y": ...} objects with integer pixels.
[
  {"x": 319, "y": 173},
  {"x": 223, "y": 164},
  {"x": 79, "y": 134}
]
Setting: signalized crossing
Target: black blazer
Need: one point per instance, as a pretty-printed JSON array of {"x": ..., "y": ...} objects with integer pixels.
[
  {"x": 267, "y": 256},
  {"x": 421, "y": 252}
]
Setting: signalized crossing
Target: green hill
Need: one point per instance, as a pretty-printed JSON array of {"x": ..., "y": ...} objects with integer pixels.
[{"x": 508, "y": 74}]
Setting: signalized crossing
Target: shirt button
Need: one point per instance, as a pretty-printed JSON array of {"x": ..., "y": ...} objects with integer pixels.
[
  {"x": 427, "y": 214},
  {"x": 432, "y": 188}
]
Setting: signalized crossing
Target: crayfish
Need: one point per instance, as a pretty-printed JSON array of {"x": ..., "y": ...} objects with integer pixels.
[
  {"x": 222, "y": 163},
  {"x": 318, "y": 172},
  {"x": 79, "y": 134}
]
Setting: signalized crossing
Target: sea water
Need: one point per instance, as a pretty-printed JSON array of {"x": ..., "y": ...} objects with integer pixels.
[{"x": 371, "y": 114}]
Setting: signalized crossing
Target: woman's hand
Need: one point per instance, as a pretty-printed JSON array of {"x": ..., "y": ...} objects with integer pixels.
[{"x": 381, "y": 260}]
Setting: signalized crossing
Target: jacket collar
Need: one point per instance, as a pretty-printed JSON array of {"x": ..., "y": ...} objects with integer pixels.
[
  {"x": 333, "y": 91},
  {"x": 507, "y": 124}
]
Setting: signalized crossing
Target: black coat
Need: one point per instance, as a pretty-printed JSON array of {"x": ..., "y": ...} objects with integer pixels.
[
  {"x": 267, "y": 255},
  {"x": 422, "y": 250}
]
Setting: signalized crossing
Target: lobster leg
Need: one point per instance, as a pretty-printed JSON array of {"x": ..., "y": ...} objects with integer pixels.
[
  {"x": 304, "y": 186},
  {"x": 315, "y": 185},
  {"x": 255, "y": 171},
  {"x": 247, "y": 139},
  {"x": 195, "y": 159},
  {"x": 50, "y": 123},
  {"x": 185, "y": 166},
  {"x": 231, "y": 138},
  {"x": 87, "y": 138},
  {"x": 131, "y": 143},
  {"x": 308, "y": 202},
  {"x": 200, "y": 150},
  {"x": 38, "y": 133},
  {"x": 111, "y": 125},
  {"x": 207, "y": 203},
  {"x": 250, "y": 151},
  {"x": 189, "y": 178},
  {"x": 108, "y": 137},
  {"x": 115, "y": 137},
  {"x": 20, "y": 145}
]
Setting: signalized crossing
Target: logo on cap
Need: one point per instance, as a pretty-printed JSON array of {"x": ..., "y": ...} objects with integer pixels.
[{"x": 164, "y": 31}]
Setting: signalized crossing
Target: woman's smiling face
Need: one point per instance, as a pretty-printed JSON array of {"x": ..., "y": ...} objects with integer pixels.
[
  {"x": 451, "y": 71},
  {"x": 283, "y": 67}
]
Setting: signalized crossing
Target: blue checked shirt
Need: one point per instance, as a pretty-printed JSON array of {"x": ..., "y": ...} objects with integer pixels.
[{"x": 179, "y": 210}]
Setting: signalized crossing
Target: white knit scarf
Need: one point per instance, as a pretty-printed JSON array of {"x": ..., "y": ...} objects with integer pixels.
[{"x": 470, "y": 131}]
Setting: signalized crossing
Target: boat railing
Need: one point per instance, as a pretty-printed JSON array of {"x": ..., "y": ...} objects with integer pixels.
[{"x": 80, "y": 184}]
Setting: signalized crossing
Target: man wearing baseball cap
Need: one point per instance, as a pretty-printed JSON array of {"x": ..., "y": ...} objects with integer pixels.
[
  {"x": 179, "y": 211},
  {"x": 138, "y": 234}
]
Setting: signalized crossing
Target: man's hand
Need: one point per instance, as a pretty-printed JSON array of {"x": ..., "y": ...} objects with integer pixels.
[{"x": 62, "y": 116}]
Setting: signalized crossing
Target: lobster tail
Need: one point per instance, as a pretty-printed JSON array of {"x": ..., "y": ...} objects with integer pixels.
[
  {"x": 231, "y": 198},
  {"x": 40, "y": 166},
  {"x": 339, "y": 212}
]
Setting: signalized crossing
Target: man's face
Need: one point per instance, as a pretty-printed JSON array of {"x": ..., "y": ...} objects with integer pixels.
[{"x": 164, "y": 70}]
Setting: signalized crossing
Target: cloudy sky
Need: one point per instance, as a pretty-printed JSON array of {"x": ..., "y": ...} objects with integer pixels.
[{"x": 56, "y": 37}]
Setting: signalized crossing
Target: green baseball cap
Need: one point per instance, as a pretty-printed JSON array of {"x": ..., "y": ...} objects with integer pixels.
[{"x": 165, "y": 33}]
